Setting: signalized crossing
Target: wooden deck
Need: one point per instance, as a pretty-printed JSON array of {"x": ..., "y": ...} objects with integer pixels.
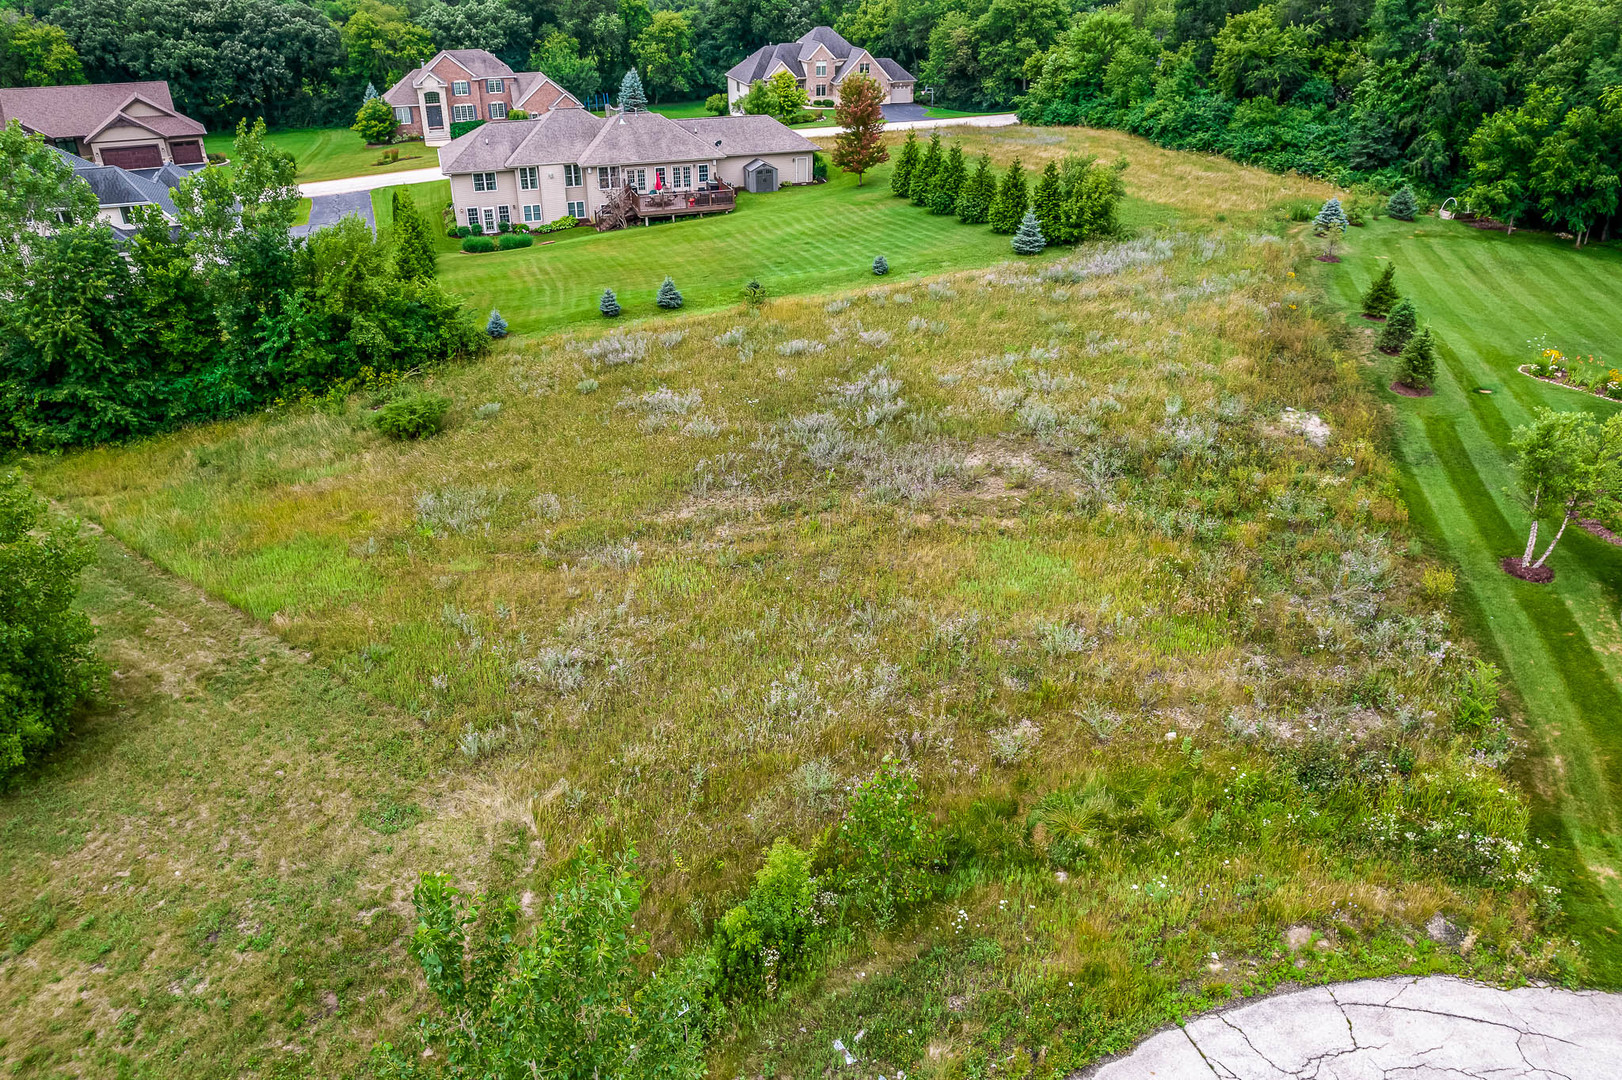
[{"x": 655, "y": 204}]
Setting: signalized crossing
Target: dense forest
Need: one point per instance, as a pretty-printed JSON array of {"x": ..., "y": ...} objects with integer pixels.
[{"x": 1512, "y": 101}]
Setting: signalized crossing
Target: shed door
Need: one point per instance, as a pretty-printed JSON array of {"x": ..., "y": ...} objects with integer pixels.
[
  {"x": 133, "y": 157},
  {"x": 802, "y": 174}
]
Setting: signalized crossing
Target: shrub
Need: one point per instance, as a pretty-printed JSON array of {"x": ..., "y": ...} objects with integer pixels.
[
  {"x": 767, "y": 941},
  {"x": 1399, "y": 326},
  {"x": 46, "y": 664},
  {"x": 717, "y": 105},
  {"x": 416, "y": 417},
  {"x": 504, "y": 227},
  {"x": 609, "y": 305},
  {"x": 1028, "y": 239},
  {"x": 518, "y": 114},
  {"x": 496, "y": 326},
  {"x": 478, "y": 245},
  {"x": 515, "y": 240},
  {"x": 461, "y": 232},
  {"x": 669, "y": 298},
  {"x": 1403, "y": 205},
  {"x": 1416, "y": 367},
  {"x": 462, "y": 127},
  {"x": 886, "y": 845},
  {"x": 1330, "y": 217},
  {"x": 754, "y": 293},
  {"x": 923, "y": 176},
  {"x": 881, "y": 265},
  {"x": 1382, "y": 294}
]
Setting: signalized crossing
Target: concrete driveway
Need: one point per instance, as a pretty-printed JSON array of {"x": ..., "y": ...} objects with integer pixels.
[{"x": 328, "y": 210}]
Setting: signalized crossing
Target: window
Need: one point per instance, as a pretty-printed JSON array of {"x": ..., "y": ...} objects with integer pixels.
[
  {"x": 124, "y": 215},
  {"x": 431, "y": 97},
  {"x": 489, "y": 219},
  {"x": 571, "y": 175},
  {"x": 577, "y": 210},
  {"x": 681, "y": 176},
  {"x": 498, "y": 110},
  {"x": 484, "y": 181},
  {"x": 864, "y": 67},
  {"x": 527, "y": 180},
  {"x": 460, "y": 89},
  {"x": 504, "y": 213},
  {"x": 461, "y": 114},
  {"x": 703, "y": 174},
  {"x": 492, "y": 86},
  {"x": 659, "y": 179},
  {"x": 402, "y": 114},
  {"x": 608, "y": 176},
  {"x": 822, "y": 90},
  {"x": 532, "y": 212},
  {"x": 822, "y": 68},
  {"x": 473, "y": 217}
]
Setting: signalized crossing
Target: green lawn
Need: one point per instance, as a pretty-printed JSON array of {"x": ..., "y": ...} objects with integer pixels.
[
  {"x": 680, "y": 110},
  {"x": 1486, "y": 294},
  {"x": 330, "y": 153}
]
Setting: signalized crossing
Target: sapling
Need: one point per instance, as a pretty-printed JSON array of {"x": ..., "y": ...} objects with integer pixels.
[{"x": 609, "y": 305}]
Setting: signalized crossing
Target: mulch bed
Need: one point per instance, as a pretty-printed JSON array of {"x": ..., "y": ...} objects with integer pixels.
[
  {"x": 1373, "y": 318},
  {"x": 1537, "y": 575},
  {"x": 1329, "y": 258},
  {"x": 1595, "y": 529},
  {"x": 1488, "y": 223},
  {"x": 1390, "y": 352},
  {"x": 1411, "y": 391}
]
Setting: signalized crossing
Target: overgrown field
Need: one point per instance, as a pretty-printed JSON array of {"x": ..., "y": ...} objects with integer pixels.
[{"x": 1106, "y": 548}]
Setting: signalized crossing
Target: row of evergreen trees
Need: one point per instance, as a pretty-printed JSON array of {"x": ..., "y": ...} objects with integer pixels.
[
  {"x": 1074, "y": 199},
  {"x": 1401, "y": 336}
]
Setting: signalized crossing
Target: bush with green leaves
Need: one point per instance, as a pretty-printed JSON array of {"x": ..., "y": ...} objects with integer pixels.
[
  {"x": 418, "y": 416},
  {"x": 754, "y": 293},
  {"x": 1416, "y": 367},
  {"x": 375, "y": 122},
  {"x": 1028, "y": 240},
  {"x": 881, "y": 265},
  {"x": 717, "y": 105},
  {"x": 608, "y": 305},
  {"x": 47, "y": 668},
  {"x": 1399, "y": 326},
  {"x": 495, "y": 326},
  {"x": 414, "y": 255},
  {"x": 1382, "y": 293},
  {"x": 508, "y": 241},
  {"x": 478, "y": 245},
  {"x": 1403, "y": 205},
  {"x": 763, "y": 944},
  {"x": 669, "y": 297},
  {"x": 568, "y": 1002},
  {"x": 886, "y": 848}
]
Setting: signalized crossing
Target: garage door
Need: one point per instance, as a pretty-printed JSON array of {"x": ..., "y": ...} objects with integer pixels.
[
  {"x": 186, "y": 153},
  {"x": 132, "y": 157}
]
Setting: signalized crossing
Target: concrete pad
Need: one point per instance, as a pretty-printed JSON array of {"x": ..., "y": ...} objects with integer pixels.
[{"x": 1167, "y": 1056}]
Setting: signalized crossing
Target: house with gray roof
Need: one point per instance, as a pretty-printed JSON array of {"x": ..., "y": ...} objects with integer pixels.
[
  {"x": 572, "y": 162},
  {"x": 464, "y": 85},
  {"x": 130, "y": 125},
  {"x": 820, "y": 61},
  {"x": 118, "y": 191}
]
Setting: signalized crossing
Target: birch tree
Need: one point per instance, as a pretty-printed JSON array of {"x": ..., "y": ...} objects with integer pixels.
[{"x": 1569, "y": 465}]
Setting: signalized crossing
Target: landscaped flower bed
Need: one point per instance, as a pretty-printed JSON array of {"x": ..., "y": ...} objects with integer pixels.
[{"x": 1591, "y": 375}]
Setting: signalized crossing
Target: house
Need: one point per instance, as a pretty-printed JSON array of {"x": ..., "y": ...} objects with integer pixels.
[
  {"x": 130, "y": 125},
  {"x": 571, "y": 161},
  {"x": 118, "y": 191},
  {"x": 461, "y": 85},
  {"x": 819, "y": 62}
]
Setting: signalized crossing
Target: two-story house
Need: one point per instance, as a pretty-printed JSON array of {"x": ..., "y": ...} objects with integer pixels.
[
  {"x": 570, "y": 161},
  {"x": 132, "y": 125},
  {"x": 819, "y": 62},
  {"x": 462, "y": 85}
]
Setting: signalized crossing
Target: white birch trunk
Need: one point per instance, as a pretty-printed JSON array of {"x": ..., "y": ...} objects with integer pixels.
[{"x": 1558, "y": 534}]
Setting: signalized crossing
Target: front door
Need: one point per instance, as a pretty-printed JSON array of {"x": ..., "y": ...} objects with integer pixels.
[
  {"x": 436, "y": 116},
  {"x": 433, "y": 112}
]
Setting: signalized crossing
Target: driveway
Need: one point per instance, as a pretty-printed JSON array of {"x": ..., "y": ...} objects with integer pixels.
[
  {"x": 909, "y": 111},
  {"x": 328, "y": 210},
  {"x": 1435, "y": 1028}
]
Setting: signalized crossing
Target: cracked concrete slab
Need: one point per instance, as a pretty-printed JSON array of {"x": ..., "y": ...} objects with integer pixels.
[{"x": 1405, "y": 1028}]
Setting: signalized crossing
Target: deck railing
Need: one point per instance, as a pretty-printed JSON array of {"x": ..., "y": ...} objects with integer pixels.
[{"x": 699, "y": 201}]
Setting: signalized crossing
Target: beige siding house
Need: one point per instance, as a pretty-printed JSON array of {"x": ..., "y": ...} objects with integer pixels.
[
  {"x": 130, "y": 125},
  {"x": 572, "y": 162},
  {"x": 820, "y": 61},
  {"x": 462, "y": 85}
]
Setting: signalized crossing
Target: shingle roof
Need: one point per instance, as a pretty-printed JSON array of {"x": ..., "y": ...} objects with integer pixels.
[
  {"x": 118, "y": 187},
  {"x": 531, "y": 81},
  {"x": 486, "y": 148},
  {"x": 404, "y": 92},
  {"x": 762, "y": 60},
  {"x": 741, "y": 135},
  {"x": 828, "y": 39},
  {"x": 894, "y": 71},
  {"x": 479, "y": 63},
  {"x": 641, "y": 138},
  {"x": 559, "y": 136},
  {"x": 68, "y": 112},
  {"x": 758, "y": 63}
]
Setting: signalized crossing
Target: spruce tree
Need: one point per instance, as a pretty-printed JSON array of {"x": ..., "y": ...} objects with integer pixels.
[
  {"x": 414, "y": 258},
  {"x": 1402, "y": 205},
  {"x": 1382, "y": 294},
  {"x": 1399, "y": 326},
  {"x": 669, "y": 298},
  {"x": 632, "y": 97},
  {"x": 1416, "y": 367},
  {"x": 923, "y": 177},
  {"x": 496, "y": 326},
  {"x": 1047, "y": 200},
  {"x": 974, "y": 200},
  {"x": 1010, "y": 202},
  {"x": 609, "y": 305},
  {"x": 948, "y": 182},
  {"x": 1028, "y": 239},
  {"x": 881, "y": 265},
  {"x": 905, "y": 163},
  {"x": 1330, "y": 216}
]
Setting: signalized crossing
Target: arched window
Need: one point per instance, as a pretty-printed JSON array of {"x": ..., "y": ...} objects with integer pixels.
[{"x": 431, "y": 97}]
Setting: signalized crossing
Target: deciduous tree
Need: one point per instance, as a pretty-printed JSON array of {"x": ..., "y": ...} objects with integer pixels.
[
  {"x": 375, "y": 122},
  {"x": 859, "y": 146}
]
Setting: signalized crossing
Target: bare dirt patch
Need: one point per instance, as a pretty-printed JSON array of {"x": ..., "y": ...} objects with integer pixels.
[{"x": 1411, "y": 391}]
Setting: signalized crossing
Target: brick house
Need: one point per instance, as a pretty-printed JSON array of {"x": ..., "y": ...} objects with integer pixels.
[
  {"x": 819, "y": 61},
  {"x": 460, "y": 85},
  {"x": 131, "y": 125}
]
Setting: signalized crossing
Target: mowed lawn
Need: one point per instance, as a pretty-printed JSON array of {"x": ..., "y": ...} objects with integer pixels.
[
  {"x": 1486, "y": 295},
  {"x": 330, "y": 153}
]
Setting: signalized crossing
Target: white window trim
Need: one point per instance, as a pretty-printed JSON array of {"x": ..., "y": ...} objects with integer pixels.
[
  {"x": 402, "y": 114},
  {"x": 472, "y": 216},
  {"x": 532, "y": 212},
  {"x": 461, "y": 88},
  {"x": 498, "y": 110},
  {"x": 571, "y": 176},
  {"x": 529, "y": 178},
  {"x": 504, "y": 213},
  {"x": 577, "y": 209},
  {"x": 459, "y": 116},
  {"x": 484, "y": 181},
  {"x": 492, "y": 86}
]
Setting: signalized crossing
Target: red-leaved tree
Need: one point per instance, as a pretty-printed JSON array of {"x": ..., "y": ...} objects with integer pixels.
[{"x": 860, "y": 145}]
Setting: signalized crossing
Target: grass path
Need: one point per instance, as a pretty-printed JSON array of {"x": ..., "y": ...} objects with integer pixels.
[{"x": 1486, "y": 294}]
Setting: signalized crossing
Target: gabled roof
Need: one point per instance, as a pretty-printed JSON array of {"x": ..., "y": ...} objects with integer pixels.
[
  {"x": 740, "y": 135},
  {"x": 644, "y": 138},
  {"x": 828, "y": 39},
  {"x": 531, "y": 81},
  {"x": 894, "y": 71},
  {"x": 759, "y": 64},
  {"x": 118, "y": 187},
  {"x": 486, "y": 148},
  {"x": 77, "y": 112},
  {"x": 558, "y": 136}
]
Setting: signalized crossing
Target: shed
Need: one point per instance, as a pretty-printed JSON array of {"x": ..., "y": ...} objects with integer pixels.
[{"x": 759, "y": 176}]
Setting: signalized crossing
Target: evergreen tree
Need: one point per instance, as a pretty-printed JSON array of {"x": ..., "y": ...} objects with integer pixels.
[
  {"x": 1047, "y": 201},
  {"x": 1028, "y": 239},
  {"x": 496, "y": 326},
  {"x": 974, "y": 200},
  {"x": 923, "y": 177},
  {"x": 1330, "y": 216},
  {"x": 669, "y": 298},
  {"x": 1399, "y": 326},
  {"x": 1090, "y": 196},
  {"x": 948, "y": 182},
  {"x": 901, "y": 178},
  {"x": 881, "y": 265},
  {"x": 1382, "y": 294},
  {"x": 1010, "y": 202},
  {"x": 1416, "y": 367},
  {"x": 371, "y": 92},
  {"x": 609, "y": 305},
  {"x": 1402, "y": 205},
  {"x": 414, "y": 258},
  {"x": 632, "y": 97}
]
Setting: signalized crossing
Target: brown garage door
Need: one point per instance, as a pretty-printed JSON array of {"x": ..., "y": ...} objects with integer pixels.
[
  {"x": 132, "y": 157},
  {"x": 186, "y": 153}
]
